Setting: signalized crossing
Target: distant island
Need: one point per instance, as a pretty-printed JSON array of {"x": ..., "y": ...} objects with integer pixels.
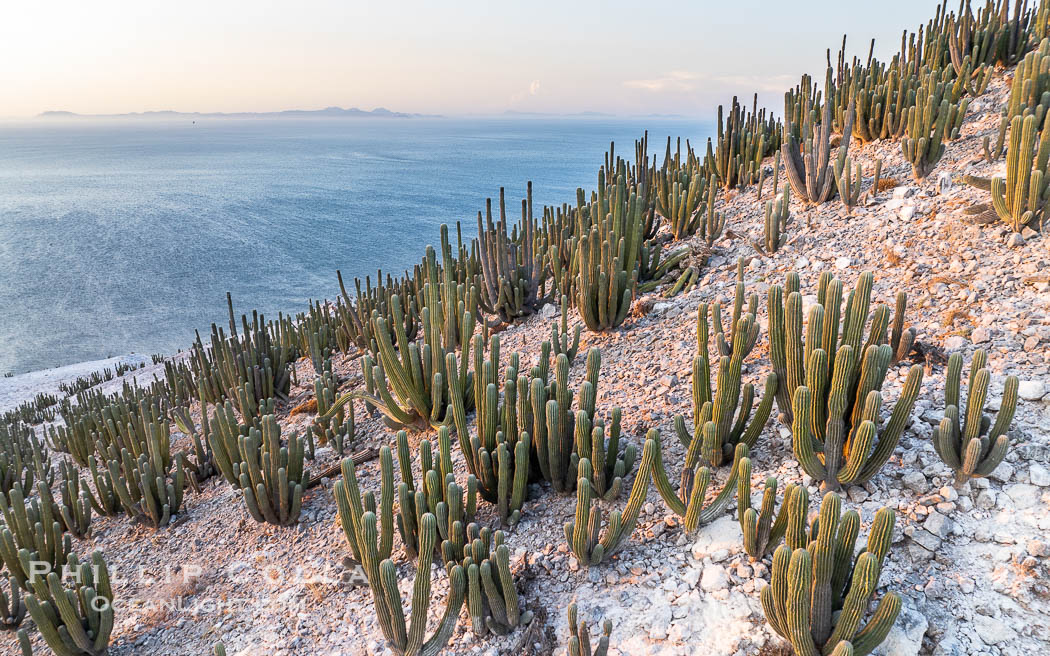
[{"x": 327, "y": 112}]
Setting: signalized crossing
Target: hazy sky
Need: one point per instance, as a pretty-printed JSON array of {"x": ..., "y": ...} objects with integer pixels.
[{"x": 453, "y": 57}]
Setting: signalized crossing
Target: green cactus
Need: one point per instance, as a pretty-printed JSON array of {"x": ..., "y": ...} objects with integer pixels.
[
  {"x": 560, "y": 336},
  {"x": 720, "y": 419},
  {"x": 334, "y": 424},
  {"x": 30, "y": 527},
  {"x": 688, "y": 501},
  {"x": 77, "y": 621},
  {"x": 219, "y": 649},
  {"x": 819, "y": 592},
  {"x": 848, "y": 182},
  {"x": 1022, "y": 197},
  {"x": 492, "y": 598},
  {"x": 712, "y": 223},
  {"x": 778, "y": 216},
  {"x": 12, "y": 608},
  {"x": 933, "y": 119},
  {"x": 761, "y": 531},
  {"x": 609, "y": 466},
  {"x": 435, "y": 491},
  {"x": 580, "y": 637},
  {"x": 104, "y": 499},
  {"x": 353, "y": 507},
  {"x": 271, "y": 476},
  {"x": 807, "y": 163},
  {"x": 744, "y": 139},
  {"x": 972, "y": 445},
  {"x": 497, "y": 454},
  {"x": 75, "y": 509},
  {"x": 142, "y": 484},
  {"x": 583, "y": 534},
  {"x": 725, "y": 343}
]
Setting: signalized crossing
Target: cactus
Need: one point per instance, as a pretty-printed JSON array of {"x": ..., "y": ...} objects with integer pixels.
[
  {"x": 819, "y": 592},
  {"x": 806, "y": 164},
  {"x": 688, "y": 502},
  {"x": 104, "y": 499},
  {"x": 583, "y": 533},
  {"x": 712, "y": 223},
  {"x": 75, "y": 509},
  {"x": 726, "y": 345},
  {"x": 560, "y": 337},
  {"x": 77, "y": 621},
  {"x": 271, "y": 476},
  {"x": 580, "y": 637},
  {"x": 901, "y": 339},
  {"x": 971, "y": 444},
  {"x": 848, "y": 185},
  {"x": 497, "y": 455},
  {"x": 778, "y": 216},
  {"x": 715, "y": 431},
  {"x": 353, "y": 508},
  {"x": 142, "y": 484},
  {"x": 744, "y": 138},
  {"x": 436, "y": 492},
  {"x": 934, "y": 119},
  {"x": 608, "y": 465},
  {"x": 12, "y": 608},
  {"x": 761, "y": 532},
  {"x": 334, "y": 424},
  {"x": 30, "y": 528},
  {"x": 219, "y": 649},
  {"x": 492, "y": 598},
  {"x": 1023, "y": 196},
  {"x": 203, "y": 465}
]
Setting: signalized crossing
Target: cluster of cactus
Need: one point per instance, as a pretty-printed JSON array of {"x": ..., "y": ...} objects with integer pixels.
[
  {"x": 970, "y": 443},
  {"x": 688, "y": 501},
  {"x": 334, "y": 424},
  {"x": 354, "y": 316},
  {"x": 30, "y": 529},
  {"x": 584, "y": 534},
  {"x": 358, "y": 519},
  {"x": 807, "y": 154},
  {"x": 848, "y": 180},
  {"x": 560, "y": 340},
  {"x": 580, "y": 637},
  {"x": 202, "y": 467},
  {"x": 777, "y": 218},
  {"x": 512, "y": 264},
  {"x": 12, "y": 607},
  {"x": 820, "y": 592},
  {"x": 934, "y": 119},
  {"x": 75, "y": 508},
  {"x": 657, "y": 268},
  {"x": 681, "y": 190},
  {"x": 74, "y": 621},
  {"x": 492, "y": 597},
  {"x": 744, "y": 139},
  {"x": 762, "y": 532},
  {"x": 1022, "y": 197},
  {"x": 728, "y": 345},
  {"x": 23, "y": 457},
  {"x": 497, "y": 455},
  {"x": 271, "y": 476},
  {"x": 829, "y": 382},
  {"x": 720, "y": 416}
]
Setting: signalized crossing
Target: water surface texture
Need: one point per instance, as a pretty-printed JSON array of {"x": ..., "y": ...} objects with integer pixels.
[{"x": 125, "y": 236}]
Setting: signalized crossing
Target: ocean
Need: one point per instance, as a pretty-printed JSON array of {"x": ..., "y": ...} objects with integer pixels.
[{"x": 123, "y": 236}]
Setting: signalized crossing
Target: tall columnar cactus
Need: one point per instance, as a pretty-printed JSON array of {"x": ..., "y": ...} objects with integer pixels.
[
  {"x": 497, "y": 454},
  {"x": 560, "y": 340},
  {"x": 12, "y": 608},
  {"x": 971, "y": 444},
  {"x": 720, "y": 417},
  {"x": 77, "y": 621},
  {"x": 688, "y": 501},
  {"x": 712, "y": 222},
  {"x": 352, "y": 507},
  {"x": 512, "y": 262},
  {"x": 436, "y": 491},
  {"x": 934, "y": 119},
  {"x": 30, "y": 527},
  {"x": 609, "y": 465},
  {"x": 848, "y": 181},
  {"x": 726, "y": 343},
  {"x": 819, "y": 592},
  {"x": 271, "y": 477},
  {"x": 334, "y": 423},
  {"x": 492, "y": 597},
  {"x": 142, "y": 485},
  {"x": 1022, "y": 197},
  {"x": 580, "y": 637},
  {"x": 808, "y": 164},
  {"x": 842, "y": 373},
  {"x": 761, "y": 531},
  {"x": 104, "y": 499},
  {"x": 584, "y": 533},
  {"x": 75, "y": 508},
  {"x": 778, "y": 216},
  {"x": 554, "y": 425}
]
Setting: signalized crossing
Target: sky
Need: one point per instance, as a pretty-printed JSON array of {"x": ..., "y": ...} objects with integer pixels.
[{"x": 451, "y": 58}]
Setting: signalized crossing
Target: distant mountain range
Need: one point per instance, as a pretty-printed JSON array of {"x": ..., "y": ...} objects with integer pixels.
[
  {"x": 327, "y": 112},
  {"x": 590, "y": 114}
]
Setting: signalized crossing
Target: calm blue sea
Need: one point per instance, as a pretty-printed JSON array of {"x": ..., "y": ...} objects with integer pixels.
[{"x": 124, "y": 236}]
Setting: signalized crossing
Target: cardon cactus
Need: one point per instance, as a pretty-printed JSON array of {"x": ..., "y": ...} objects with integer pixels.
[
  {"x": 726, "y": 343},
  {"x": 144, "y": 489},
  {"x": 560, "y": 336},
  {"x": 30, "y": 527},
  {"x": 77, "y": 621},
  {"x": 970, "y": 444},
  {"x": 778, "y": 216},
  {"x": 761, "y": 532},
  {"x": 435, "y": 491},
  {"x": 842, "y": 373},
  {"x": 580, "y": 637},
  {"x": 75, "y": 509},
  {"x": 492, "y": 598},
  {"x": 720, "y": 419},
  {"x": 609, "y": 465},
  {"x": 334, "y": 424},
  {"x": 808, "y": 164},
  {"x": 583, "y": 534},
  {"x": 12, "y": 608},
  {"x": 933, "y": 119},
  {"x": 353, "y": 507},
  {"x": 688, "y": 501},
  {"x": 271, "y": 476},
  {"x": 819, "y": 592},
  {"x": 848, "y": 181},
  {"x": 497, "y": 454},
  {"x": 1022, "y": 197}
]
